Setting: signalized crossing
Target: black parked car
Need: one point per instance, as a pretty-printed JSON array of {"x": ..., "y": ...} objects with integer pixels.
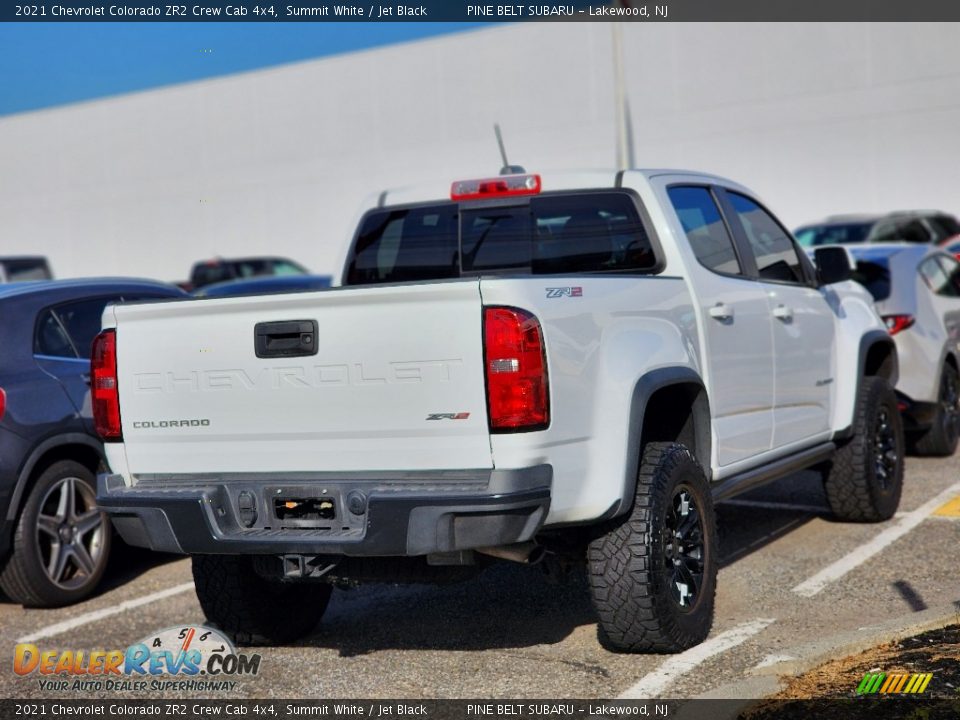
[{"x": 54, "y": 542}]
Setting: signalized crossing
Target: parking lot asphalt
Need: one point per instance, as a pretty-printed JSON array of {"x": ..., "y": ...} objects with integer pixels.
[{"x": 789, "y": 574}]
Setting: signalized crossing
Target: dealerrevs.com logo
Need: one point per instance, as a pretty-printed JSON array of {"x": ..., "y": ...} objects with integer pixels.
[{"x": 190, "y": 657}]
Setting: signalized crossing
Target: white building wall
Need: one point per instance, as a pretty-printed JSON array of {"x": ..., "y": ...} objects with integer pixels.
[{"x": 817, "y": 118}]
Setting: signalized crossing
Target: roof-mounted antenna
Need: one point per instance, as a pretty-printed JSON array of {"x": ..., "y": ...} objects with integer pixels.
[{"x": 507, "y": 168}]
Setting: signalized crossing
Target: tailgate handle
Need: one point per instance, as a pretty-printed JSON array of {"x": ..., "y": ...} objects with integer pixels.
[{"x": 286, "y": 338}]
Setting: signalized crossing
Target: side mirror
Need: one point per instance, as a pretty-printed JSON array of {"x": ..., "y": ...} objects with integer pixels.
[{"x": 833, "y": 265}]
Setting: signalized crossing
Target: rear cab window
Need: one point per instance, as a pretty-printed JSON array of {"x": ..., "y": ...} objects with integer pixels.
[{"x": 553, "y": 233}]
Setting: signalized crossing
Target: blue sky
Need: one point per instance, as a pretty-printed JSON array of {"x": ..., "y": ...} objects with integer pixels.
[{"x": 48, "y": 64}]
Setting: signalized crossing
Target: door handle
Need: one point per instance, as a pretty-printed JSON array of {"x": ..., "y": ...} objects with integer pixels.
[
  {"x": 721, "y": 312},
  {"x": 782, "y": 312},
  {"x": 287, "y": 338}
]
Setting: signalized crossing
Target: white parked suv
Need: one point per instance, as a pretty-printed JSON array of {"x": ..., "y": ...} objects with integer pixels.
[
  {"x": 917, "y": 293},
  {"x": 556, "y": 367}
]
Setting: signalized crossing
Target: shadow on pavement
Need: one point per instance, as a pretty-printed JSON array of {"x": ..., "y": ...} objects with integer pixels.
[
  {"x": 752, "y": 521},
  {"x": 515, "y": 606},
  {"x": 505, "y": 606}
]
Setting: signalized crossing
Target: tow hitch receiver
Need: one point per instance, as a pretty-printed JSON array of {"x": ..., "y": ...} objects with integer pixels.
[{"x": 304, "y": 512}]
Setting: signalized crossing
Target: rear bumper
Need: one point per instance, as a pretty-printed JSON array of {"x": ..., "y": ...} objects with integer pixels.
[{"x": 382, "y": 514}]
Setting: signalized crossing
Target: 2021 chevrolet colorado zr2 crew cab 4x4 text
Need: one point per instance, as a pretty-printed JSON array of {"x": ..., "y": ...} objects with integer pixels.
[{"x": 573, "y": 365}]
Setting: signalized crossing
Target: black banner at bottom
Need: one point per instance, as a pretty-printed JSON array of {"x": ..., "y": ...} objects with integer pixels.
[{"x": 872, "y": 708}]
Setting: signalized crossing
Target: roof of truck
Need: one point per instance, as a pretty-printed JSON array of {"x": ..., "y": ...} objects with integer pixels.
[{"x": 551, "y": 180}]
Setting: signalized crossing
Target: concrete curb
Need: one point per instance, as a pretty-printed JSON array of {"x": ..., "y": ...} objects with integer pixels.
[
  {"x": 758, "y": 683},
  {"x": 810, "y": 655}
]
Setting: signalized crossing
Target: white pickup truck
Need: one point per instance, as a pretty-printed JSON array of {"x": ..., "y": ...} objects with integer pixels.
[{"x": 521, "y": 367}]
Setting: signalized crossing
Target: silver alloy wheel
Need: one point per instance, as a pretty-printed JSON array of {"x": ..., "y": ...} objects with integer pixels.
[{"x": 70, "y": 533}]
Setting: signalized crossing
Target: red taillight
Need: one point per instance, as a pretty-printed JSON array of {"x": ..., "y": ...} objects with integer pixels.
[
  {"x": 896, "y": 323},
  {"x": 103, "y": 386},
  {"x": 516, "y": 370},
  {"x": 495, "y": 187},
  {"x": 3, "y": 403}
]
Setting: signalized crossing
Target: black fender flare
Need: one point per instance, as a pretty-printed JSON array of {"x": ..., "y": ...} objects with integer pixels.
[
  {"x": 646, "y": 386},
  {"x": 45, "y": 446},
  {"x": 871, "y": 339}
]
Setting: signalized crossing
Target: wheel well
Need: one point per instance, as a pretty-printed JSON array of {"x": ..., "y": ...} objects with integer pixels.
[
  {"x": 679, "y": 413},
  {"x": 952, "y": 361},
  {"x": 83, "y": 454},
  {"x": 881, "y": 360}
]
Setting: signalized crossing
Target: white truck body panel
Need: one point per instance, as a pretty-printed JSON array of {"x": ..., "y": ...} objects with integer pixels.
[
  {"x": 597, "y": 346},
  {"x": 388, "y": 358}
]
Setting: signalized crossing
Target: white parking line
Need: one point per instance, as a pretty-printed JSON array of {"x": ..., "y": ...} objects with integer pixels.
[
  {"x": 93, "y": 616},
  {"x": 910, "y": 520},
  {"x": 653, "y": 684}
]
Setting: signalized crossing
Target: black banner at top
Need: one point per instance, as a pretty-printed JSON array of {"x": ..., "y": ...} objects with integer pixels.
[{"x": 269, "y": 11}]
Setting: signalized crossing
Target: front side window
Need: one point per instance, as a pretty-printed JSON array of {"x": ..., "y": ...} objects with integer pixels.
[
  {"x": 705, "y": 229},
  {"x": 776, "y": 256}
]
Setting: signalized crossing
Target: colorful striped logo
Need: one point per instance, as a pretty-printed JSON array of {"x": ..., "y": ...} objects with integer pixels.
[{"x": 914, "y": 683}]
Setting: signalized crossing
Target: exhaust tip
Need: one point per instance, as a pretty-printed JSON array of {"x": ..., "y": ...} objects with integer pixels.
[{"x": 525, "y": 553}]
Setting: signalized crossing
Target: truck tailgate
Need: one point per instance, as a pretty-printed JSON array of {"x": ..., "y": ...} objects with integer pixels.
[{"x": 396, "y": 382}]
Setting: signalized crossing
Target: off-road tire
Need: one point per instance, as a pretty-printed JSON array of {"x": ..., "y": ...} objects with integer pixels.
[
  {"x": 854, "y": 482},
  {"x": 251, "y": 609},
  {"x": 23, "y": 577},
  {"x": 942, "y": 437},
  {"x": 629, "y": 566}
]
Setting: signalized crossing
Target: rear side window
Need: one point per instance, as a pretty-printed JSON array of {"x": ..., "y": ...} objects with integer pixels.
[
  {"x": 776, "y": 256},
  {"x": 68, "y": 330},
  {"x": 705, "y": 229},
  {"x": 560, "y": 233},
  {"x": 51, "y": 339},
  {"x": 911, "y": 231},
  {"x": 944, "y": 226}
]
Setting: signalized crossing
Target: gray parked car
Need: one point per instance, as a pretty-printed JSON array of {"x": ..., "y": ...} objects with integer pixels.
[
  {"x": 913, "y": 226},
  {"x": 917, "y": 293},
  {"x": 54, "y": 541}
]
